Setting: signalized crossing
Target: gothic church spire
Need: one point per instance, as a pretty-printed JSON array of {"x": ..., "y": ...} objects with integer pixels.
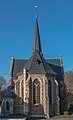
[{"x": 37, "y": 44}]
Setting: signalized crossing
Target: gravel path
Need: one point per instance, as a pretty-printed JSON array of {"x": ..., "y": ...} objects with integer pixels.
[{"x": 61, "y": 119}]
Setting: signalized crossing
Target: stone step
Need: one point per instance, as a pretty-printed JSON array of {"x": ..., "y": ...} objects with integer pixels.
[{"x": 38, "y": 110}]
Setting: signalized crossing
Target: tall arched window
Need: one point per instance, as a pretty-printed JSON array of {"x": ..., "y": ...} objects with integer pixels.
[
  {"x": 22, "y": 89},
  {"x": 50, "y": 91},
  {"x": 36, "y": 91},
  {"x": 18, "y": 88},
  {"x": 7, "y": 105}
]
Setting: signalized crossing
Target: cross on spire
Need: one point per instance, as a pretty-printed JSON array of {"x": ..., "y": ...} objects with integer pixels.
[
  {"x": 36, "y": 8},
  {"x": 37, "y": 43}
]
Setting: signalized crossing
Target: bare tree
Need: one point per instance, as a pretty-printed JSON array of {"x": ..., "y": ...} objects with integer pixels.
[
  {"x": 2, "y": 82},
  {"x": 2, "y": 87},
  {"x": 69, "y": 91},
  {"x": 69, "y": 80}
]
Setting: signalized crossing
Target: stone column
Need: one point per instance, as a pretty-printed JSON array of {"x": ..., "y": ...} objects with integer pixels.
[
  {"x": 0, "y": 110},
  {"x": 52, "y": 86},
  {"x": 20, "y": 89},
  {"x": 47, "y": 98},
  {"x": 15, "y": 88},
  {"x": 57, "y": 98},
  {"x": 43, "y": 98},
  {"x": 20, "y": 96},
  {"x": 25, "y": 107}
]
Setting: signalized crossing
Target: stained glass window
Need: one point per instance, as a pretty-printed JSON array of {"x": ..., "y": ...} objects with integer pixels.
[
  {"x": 36, "y": 92},
  {"x": 50, "y": 91}
]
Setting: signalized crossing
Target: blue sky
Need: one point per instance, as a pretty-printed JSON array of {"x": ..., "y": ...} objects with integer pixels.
[{"x": 17, "y": 21}]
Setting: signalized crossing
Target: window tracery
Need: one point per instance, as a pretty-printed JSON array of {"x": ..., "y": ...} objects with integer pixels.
[{"x": 36, "y": 91}]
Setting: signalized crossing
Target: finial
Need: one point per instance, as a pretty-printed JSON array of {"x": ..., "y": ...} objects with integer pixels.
[
  {"x": 12, "y": 57},
  {"x": 24, "y": 71},
  {"x": 36, "y": 7},
  {"x": 60, "y": 55},
  {"x": 61, "y": 63}
]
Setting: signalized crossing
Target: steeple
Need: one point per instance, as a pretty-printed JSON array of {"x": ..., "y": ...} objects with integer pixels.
[
  {"x": 36, "y": 44},
  {"x": 11, "y": 70}
]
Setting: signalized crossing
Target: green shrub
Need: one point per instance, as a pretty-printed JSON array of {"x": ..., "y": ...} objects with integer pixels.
[{"x": 65, "y": 112}]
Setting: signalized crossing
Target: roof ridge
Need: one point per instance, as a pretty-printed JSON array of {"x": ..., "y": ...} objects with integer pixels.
[
  {"x": 52, "y": 59},
  {"x": 21, "y": 59}
]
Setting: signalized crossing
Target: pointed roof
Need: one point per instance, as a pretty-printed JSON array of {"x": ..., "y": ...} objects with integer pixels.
[
  {"x": 37, "y": 44},
  {"x": 9, "y": 92},
  {"x": 38, "y": 65}
]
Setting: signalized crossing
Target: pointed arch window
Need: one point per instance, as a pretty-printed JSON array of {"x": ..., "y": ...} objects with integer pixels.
[
  {"x": 22, "y": 89},
  {"x": 36, "y": 91},
  {"x": 7, "y": 105},
  {"x": 18, "y": 88},
  {"x": 50, "y": 91}
]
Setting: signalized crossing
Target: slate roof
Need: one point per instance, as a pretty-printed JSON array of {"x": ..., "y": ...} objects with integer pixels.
[
  {"x": 18, "y": 67},
  {"x": 58, "y": 69},
  {"x": 54, "y": 61},
  {"x": 41, "y": 67},
  {"x": 9, "y": 92},
  {"x": 32, "y": 67}
]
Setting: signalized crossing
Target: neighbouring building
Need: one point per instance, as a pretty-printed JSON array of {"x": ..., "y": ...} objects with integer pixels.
[{"x": 36, "y": 84}]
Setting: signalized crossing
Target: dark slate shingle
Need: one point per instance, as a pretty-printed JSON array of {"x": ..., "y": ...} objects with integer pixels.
[
  {"x": 9, "y": 92},
  {"x": 18, "y": 66},
  {"x": 54, "y": 61},
  {"x": 42, "y": 67}
]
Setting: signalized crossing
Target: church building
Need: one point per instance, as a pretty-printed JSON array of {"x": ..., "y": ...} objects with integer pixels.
[{"x": 36, "y": 84}]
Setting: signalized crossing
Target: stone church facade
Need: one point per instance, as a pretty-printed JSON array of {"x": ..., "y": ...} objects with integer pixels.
[{"x": 36, "y": 84}]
